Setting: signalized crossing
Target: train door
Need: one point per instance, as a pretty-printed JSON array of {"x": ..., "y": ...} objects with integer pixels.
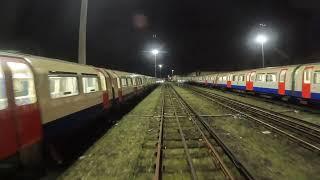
[
  {"x": 26, "y": 111},
  {"x": 22, "y": 101},
  {"x": 249, "y": 81},
  {"x": 315, "y": 87},
  {"x": 206, "y": 80},
  {"x": 306, "y": 82},
  {"x": 8, "y": 131},
  {"x": 105, "y": 94},
  {"x": 282, "y": 82},
  {"x": 229, "y": 81}
]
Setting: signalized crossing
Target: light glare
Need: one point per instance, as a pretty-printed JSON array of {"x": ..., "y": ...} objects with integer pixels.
[
  {"x": 261, "y": 39},
  {"x": 155, "y": 52}
]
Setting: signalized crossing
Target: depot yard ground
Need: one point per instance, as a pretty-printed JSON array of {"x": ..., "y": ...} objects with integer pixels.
[
  {"x": 121, "y": 151},
  {"x": 116, "y": 154}
]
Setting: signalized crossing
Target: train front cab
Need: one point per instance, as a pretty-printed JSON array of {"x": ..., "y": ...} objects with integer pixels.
[{"x": 20, "y": 120}]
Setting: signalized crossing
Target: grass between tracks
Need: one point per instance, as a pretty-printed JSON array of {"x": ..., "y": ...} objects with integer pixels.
[
  {"x": 294, "y": 110},
  {"x": 115, "y": 155},
  {"x": 267, "y": 156}
]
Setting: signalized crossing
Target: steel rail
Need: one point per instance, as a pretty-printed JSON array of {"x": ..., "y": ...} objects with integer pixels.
[
  {"x": 218, "y": 160},
  {"x": 283, "y": 121},
  {"x": 185, "y": 146},
  {"x": 158, "y": 169},
  {"x": 292, "y": 137},
  {"x": 241, "y": 168},
  {"x": 312, "y": 126}
]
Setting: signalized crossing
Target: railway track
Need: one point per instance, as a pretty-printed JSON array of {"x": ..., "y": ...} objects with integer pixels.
[
  {"x": 188, "y": 148},
  {"x": 305, "y": 133}
]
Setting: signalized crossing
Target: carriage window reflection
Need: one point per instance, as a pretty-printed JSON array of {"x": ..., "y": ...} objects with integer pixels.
[
  {"x": 316, "y": 77},
  {"x": 23, "y": 83},
  {"x": 63, "y": 86},
  {"x": 3, "y": 95},
  {"x": 90, "y": 84}
]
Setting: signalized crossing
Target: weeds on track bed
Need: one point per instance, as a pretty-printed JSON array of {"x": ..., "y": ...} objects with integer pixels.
[{"x": 115, "y": 155}]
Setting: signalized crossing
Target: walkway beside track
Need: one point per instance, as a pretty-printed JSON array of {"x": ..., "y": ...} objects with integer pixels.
[{"x": 116, "y": 154}]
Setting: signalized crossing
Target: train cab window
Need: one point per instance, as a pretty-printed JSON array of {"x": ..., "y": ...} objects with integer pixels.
[
  {"x": 102, "y": 81},
  {"x": 271, "y": 77},
  {"x": 260, "y": 77},
  {"x": 63, "y": 86},
  {"x": 3, "y": 94},
  {"x": 90, "y": 84},
  {"x": 23, "y": 83},
  {"x": 316, "y": 77},
  {"x": 124, "y": 82}
]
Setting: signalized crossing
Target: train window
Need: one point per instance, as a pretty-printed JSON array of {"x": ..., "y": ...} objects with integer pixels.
[
  {"x": 234, "y": 78},
  {"x": 139, "y": 81},
  {"x": 63, "y": 86},
  {"x": 23, "y": 83},
  {"x": 282, "y": 76},
  {"x": 316, "y": 77},
  {"x": 224, "y": 78},
  {"x": 118, "y": 82},
  {"x": 124, "y": 82},
  {"x": 242, "y": 77},
  {"x": 252, "y": 76},
  {"x": 90, "y": 84},
  {"x": 135, "y": 81},
  {"x": 271, "y": 77},
  {"x": 307, "y": 75},
  {"x": 129, "y": 80},
  {"x": 3, "y": 93},
  {"x": 103, "y": 81},
  {"x": 260, "y": 77}
]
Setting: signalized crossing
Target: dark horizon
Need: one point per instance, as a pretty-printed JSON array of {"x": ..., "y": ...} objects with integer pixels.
[{"x": 196, "y": 36}]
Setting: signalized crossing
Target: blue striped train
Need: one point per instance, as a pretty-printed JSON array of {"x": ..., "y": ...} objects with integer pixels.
[{"x": 297, "y": 81}]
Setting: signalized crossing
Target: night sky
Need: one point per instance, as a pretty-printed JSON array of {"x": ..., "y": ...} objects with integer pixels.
[{"x": 196, "y": 35}]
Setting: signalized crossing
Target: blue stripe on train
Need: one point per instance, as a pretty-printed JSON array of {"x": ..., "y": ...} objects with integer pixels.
[
  {"x": 315, "y": 96},
  {"x": 238, "y": 87},
  {"x": 69, "y": 123}
]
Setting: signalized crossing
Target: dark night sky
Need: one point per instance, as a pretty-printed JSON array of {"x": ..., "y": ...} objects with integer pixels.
[{"x": 197, "y": 35}]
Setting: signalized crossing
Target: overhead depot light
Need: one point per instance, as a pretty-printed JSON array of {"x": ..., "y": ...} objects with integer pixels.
[{"x": 261, "y": 39}]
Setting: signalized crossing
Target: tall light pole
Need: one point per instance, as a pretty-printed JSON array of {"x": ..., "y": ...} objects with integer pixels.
[
  {"x": 155, "y": 52},
  {"x": 160, "y": 66},
  {"x": 83, "y": 32},
  {"x": 172, "y": 72},
  {"x": 262, "y": 39}
]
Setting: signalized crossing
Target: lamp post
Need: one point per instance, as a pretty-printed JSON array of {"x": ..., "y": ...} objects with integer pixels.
[
  {"x": 155, "y": 52},
  {"x": 160, "y": 66},
  {"x": 172, "y": 72},
  {"x": 83, "y": 32},
  {"x": 261, "y": 39}
]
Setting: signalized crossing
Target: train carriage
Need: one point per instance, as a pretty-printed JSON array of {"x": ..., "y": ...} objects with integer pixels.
[
  {"x": 48, "y": 96},
  {"x": 307, "y": 81},
  {"x": 300, "y": 81},
  {"x": 43, "y": 100}
]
